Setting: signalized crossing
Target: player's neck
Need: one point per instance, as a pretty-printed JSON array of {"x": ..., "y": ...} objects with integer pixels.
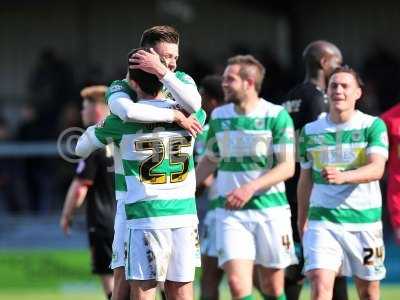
[
  {"x": 248, "y": 105},
  {"x": 142, "y": 95},
  {"x": 317, "y": 79},
  {"x": 340, "y": 117}
]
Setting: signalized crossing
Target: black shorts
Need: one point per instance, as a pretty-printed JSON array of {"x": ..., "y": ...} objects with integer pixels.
[{"x": 101, "y": 252}]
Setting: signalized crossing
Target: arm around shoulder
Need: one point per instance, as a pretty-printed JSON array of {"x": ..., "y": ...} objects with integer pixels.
[
  {"x": 88, "y": 143},
  {"x": 183, "y": 89}
]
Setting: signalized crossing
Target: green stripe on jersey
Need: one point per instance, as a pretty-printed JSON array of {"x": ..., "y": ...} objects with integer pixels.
[
  {"x": 241, "y": 123},
  {"x": 120, "y": 183},
  {"x": 184, "y": 78},
  {"x": 112, "y": 129},
  {"x": 131, "y": 167},
  {"x": 244, "y": 163},
  {"x": 336, "y": 215},
  {"x": 120, "y": 86},
  {"x": 281, "y": 122},
  {"x": 160, "y": 208},
  {"x": 256, "y": 202},
  {"x": 335, "y": 138}
]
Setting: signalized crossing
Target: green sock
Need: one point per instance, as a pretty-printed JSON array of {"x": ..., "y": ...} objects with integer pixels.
[
  {"x": 248, "y": 297},
  {"x": 281, "y": 297}
]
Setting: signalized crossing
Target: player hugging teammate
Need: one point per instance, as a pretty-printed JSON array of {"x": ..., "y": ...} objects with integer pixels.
[{"x": 250, "y": 151}]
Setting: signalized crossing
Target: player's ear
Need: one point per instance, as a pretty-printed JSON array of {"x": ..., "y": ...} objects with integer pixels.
[
  {"x": 134, "y": 84},
  {"x": 322, "y": 62},
  {"x": 358, "y": 93},
  {"x": 247, "y": 83}
]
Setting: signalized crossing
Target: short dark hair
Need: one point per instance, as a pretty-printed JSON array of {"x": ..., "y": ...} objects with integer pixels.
[
  {"x": 148, "y": 83},
  {"x": 316, "y": 50},
  {"x": 246, "y": 61},
  {"x": 347, "y": 69},
  {"x": 157, "y": 34},
  {"x": 94, "y": 94},
  {"x": 211, "y": 85}
]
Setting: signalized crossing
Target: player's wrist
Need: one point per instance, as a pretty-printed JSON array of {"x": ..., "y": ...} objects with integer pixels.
[
  {"x": 161, "y": 71},
  {"x": 252, "y": 187},
  {"x": 345, "y": 176},
  {"x": 178, "y": 116},
  {"x": 66, "y": 215}
]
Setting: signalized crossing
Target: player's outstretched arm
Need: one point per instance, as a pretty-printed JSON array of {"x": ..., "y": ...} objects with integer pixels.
[
  {"x": 88, "y": 143},
  {"x": 304, "y": 187}
]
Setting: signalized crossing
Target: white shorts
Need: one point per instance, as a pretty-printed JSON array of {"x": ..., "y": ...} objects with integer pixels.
[
  {"x": 358, "y": 253},
  {"x": 119, "y": 244},
  {"x": 163, "y": 254},
  {"x": 209, "y": 235},
  {"x": 268, "y": 243}
]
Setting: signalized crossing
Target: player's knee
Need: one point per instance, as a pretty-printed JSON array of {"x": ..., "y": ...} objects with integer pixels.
[
  {"x": 369, "y": 294},
  {"x": 178, "y": 290},
  {"x": 271, "y": 288},
  {"x": 236, "y": 285},
  {"x": 320, "y": 287}
]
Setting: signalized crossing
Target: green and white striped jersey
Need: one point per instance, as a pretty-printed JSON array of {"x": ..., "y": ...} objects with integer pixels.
[
  {"x": 245, "y": 146},
  {"x": 120, "y": 184},
  {"x": 122, "y": 86},
  {"x": 200, "y": 150},
  {"x": 345, "y": 146},
  {"x": 158, "y": 168},
  {"x": 200, "y": 144}
]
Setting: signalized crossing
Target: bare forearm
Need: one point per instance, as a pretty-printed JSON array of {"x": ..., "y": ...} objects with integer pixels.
[
  {"x": 75, "y": 196},
  {"x": 204, "y": 169},
  {"x": 281, "y": 172},
  {"x": 304, "y": 187},
  {"x": 303, "y": 203},
  {"x": 367, "y": 173}
]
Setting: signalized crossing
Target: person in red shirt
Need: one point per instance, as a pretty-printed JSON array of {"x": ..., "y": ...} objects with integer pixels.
[{"x": 392, "y": 120}]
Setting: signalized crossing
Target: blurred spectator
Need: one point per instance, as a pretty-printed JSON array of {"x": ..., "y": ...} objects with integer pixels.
[
  {"x": 8, "y": 176},
  {"x": 69, "y": 117},
  {"x": 36, "y": 172},
  {"x": 382, "y": 72},
  {"x": 275, "y": 84},
  {"x": 51, "y": 85}
]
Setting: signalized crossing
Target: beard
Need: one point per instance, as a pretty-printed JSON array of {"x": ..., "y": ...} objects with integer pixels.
[{"x": 235, "y": 97}]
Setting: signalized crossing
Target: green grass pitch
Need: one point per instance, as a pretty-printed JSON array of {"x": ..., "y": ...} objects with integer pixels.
[{"x": 62, "y": 275}]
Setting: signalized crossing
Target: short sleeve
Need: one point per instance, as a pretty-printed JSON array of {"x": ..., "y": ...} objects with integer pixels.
[
  {"x": 120, "y": 86},
  {"x": 87, "y": 168},
  {"x": 109, "y": 130},
  {"x": 185, "y": 78},
  {"x": 212, "y": 149},
  {"x": 283, "y": 132},
  {"x": 304, "y": 159},
  {"x": 377, "y": 138},
  {"x": 201, "y": 116}
]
